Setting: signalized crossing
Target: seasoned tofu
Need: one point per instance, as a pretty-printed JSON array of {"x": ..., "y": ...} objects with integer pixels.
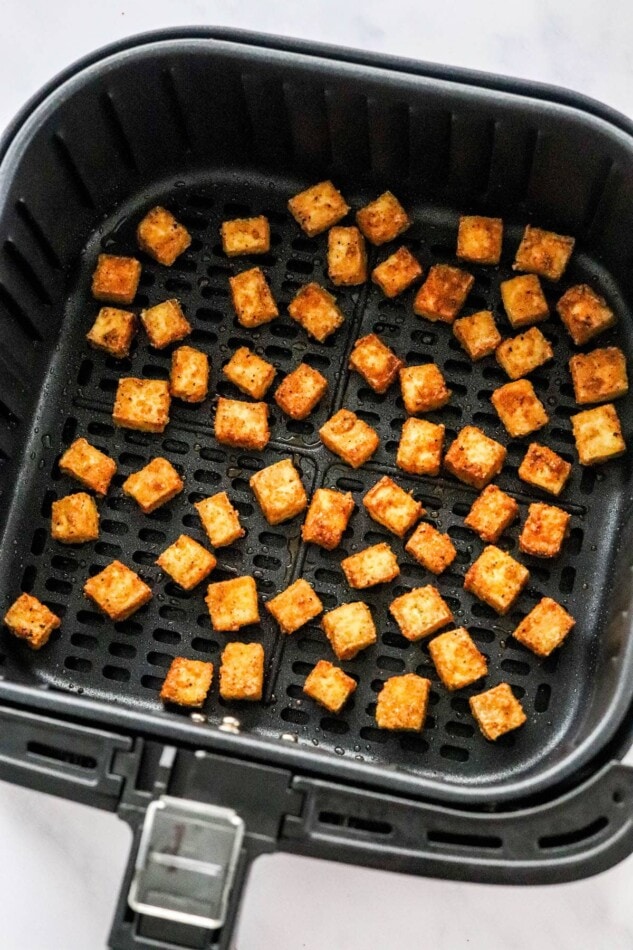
[
  {"x": 88, "y": 465},
  {"x": 187, "y": 562},
  {"x": 524, "y": 301},
  {"x": 219, "y": 519},
  {"x": 395, "y": 274},
  {"x": 376, "y": 363},
  {"x": 402, "y": 703},
  {"x": 165, "y": 323},
  {"x": 189, "y": 375},
  {"x": 420, "y": 447},
  {"x": 383, "y": 219},
  {"x": 524, "y": 353},
  {"x": 420, "y": 612},
  {"x": 315, "y": 309},
  {"x": 327, "y": 518},
  {"x": 443, "y": 293},
  {"x": 295, "y": 606},
  {"x": 349, "y": 437},
  {"x": 142, "y": 404},
  {"x": 544, "y": 469},
  {"x": 245, "y": 236},
  {"x": 75, "y": 519},
  {"x": 232, "y": 604},
  {"x": 116, "y": 279},
  {"x": 598, "y": 435},
  {"x": 279, "y": 491},
  {"x": 373, "y": 565},
  {"x": 599, "y": 376},
  {"x": 242, "y": 425},
  {"x": 242, "y": 671},
  {"x": 346, "y": 257},
  {"x": 457, "y": 660},
  {"x": 252, "y": 299},
  {"x": 423, "y": 388},
  {"x": 117, "y": 591},
  {"x": 317, "y": 208},
  {"x": 474, "y": 458},
  {"x": 329, "y": 686},
  {"x": 479, "y": 239},
  {"x": 350, "y": 629},
  {"x": 584, "y": 313},
  {"x": 491, "y": 514},
  {"x": 519, "y": 408},
  {"x": 432, "y": 549},
  {"x": 544, "y": 628},
  {"x": 497, "y": 711},
  {"x": 113, "y": 332},
  {"x": 496, "y": 578},
  {"x": 392, "y": 507},
  {"x": 161, "y": 236},
  {"x": 187, "y": 682},
  {"x": 154, "y": 485},
  {"x": 30, "y": 620},
  {"x": 477, "y": 334},
  {"x": 543, "y": 252},
  {"x": 301, "y": 390},
  {"x": 250, "y": 373},
  {"x": 544, "y": 530}
]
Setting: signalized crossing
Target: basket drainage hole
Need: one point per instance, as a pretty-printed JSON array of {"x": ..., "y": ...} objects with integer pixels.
[
  {"x": 618, "y": 796},
  {"x": 44, "y": 751},
  {"x": 355, "y": 822}
]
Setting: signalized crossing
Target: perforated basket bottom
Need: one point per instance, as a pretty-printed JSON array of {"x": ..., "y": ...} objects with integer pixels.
[{"x": 126, "y": 662}]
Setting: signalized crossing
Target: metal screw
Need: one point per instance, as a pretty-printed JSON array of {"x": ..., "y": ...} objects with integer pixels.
[
  {"x": 289, "y": 737},
  {"x": 230, "y": 724},
  {"x": 197, "y": 717}
]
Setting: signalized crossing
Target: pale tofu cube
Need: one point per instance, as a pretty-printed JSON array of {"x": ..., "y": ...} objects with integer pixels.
[
  {"x": 242, "y": 672},
  {"x": 524, "y": 301},
  {"x": 154, "y": 485},
  {"x": 165, "y": 323},
  {"x": 543, "y": 252},
  {"x": 383, "y": 219},
  {"x": 544, "y": 469},
  {"x": 75, "y": 519},
  {"x": 30, "y": 620},
  {"x": 474, "y": 458},
  {"x": 242, "y": 425},
  {"x": 346, "y": 257},
  {"x": 432, "y": 549},
  {"x": 373, "y": 565},
  {"x": 327, "y": 518},
  {"x": 420, "y": 612},
  {"x": 457, "y": 660},
  {"x": 519, "y": 408},
  {"x": 252, "y": 299},
  {"x": 420, "y": 447},
  {"x": 219, "y": 519},
  {"x": 161, "y": 236},
  {"x": 598, "y": 435},
  {"x": 423, "y": 388},
  {"x": 88, "y": 465},
  {"x": 117, "y": 591},
  {"x": 395, "y": 274},
  {"x": 245, "y": 236},
  {"x": 443, "y": 293},
  {"x": 295, "y": 606},
  {"x": 116, "y": 279},
  {"x": 599, "y": 376},
  {"x": 491, "y": 513},
  {"x": 403, "y": 702},
  {"x": 329, "y": 686},
  {"x": 113, "y": 332},
  {"x": 317, "y": 208},
  {"x": 186, "y": 562},
  {"x": 232, "y": 604},
  {"x": 189, "y": 374},
  {"x": 250, "y": 373},
  {"x": 496, "y": 578},
  {"x": 315, "y": 309},
  {"x": 584, "y": 313},
  {"x": 497, "y": 711},
  {"x": 544, "y": 530},
  {"x": 349, "y": 437},
  {"x": 279, "y": 491},
  {"x": 349, "y": 628},
  {"x": 376, "y": 363},
  {"x": 392, "y": 507},
  {"x": 187, "y": 682},
  {"x": 477, "y": 334},
  {"x": 142, "y": 404},
  {"x": 524, "y": 353},
  {"x": 298, "y": 394},
  {"x": 479, "y": 239},
  {"x": 544, "y": 628}
]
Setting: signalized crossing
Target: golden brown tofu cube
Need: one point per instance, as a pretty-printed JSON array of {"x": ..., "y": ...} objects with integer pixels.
[
  {"x": 477, "y": 334},
  {"x": 219, "y": 519},
  {"x": 392, "y": 507},
  {"x": 432, "y": 549},
  {"x": 491, "y": 513},
  {"x": 545, "y": 627},
  {"x": 314, "y": 308},
  {"x": 524, "y": 301},
  {"x": 373, "y": 565},
  {"x": 519, "y": 408},
  {"x": 349, "y": 628},
  {"x": 295, "y": 606},
  {"x": 346, "y": 257},
  {"x": 420, "y": 447},
  {"x": 232, "y": 604},
  {"x": 154, "y": 485},
  {"x": 88, "y": 465},
  {"x": 584, "y": 313},
  {"x": 521, "y": 354},
  {"x": 117, "y": 591},
  {"x": 252, "y": 299},
  {"x": 543, "y": 252},
  {"x": 75, "y": 519},
  {"x": 245, "y": 236},
  {"x": 243, "y": 425},
  {"x": 187, "y": 562},
  {"x": 376, "y": 363},
  {"x": 242, "y": 671},
  {"x": 250, "y": 373},
  {"x": 457, "y": 660},
  {"x": 142, "y": 404},
  {"x": 279, "y": 491},
  {"x": 301, "y": 390},
  {"x": 496, "y": 578},
  {"x": 474, "y": 457},
  {"x": 187, "y": 682},
  {"x": 397, "y": 272},
  {"x": 544, "y": 469},
  {"x": 544, "y": 530},
  {"x": 317, "y": 208},
  {"x": 599, "y": 376},
  {"x": 443, "y": 293},
  {"x": 383, "y": 219},
  {"x": 189, "y": 375},
  {"x": 116, "y": 279},
  {"x": 479, "y": 239},
  {"x": 329, "y": 686},
  {"x": 402, "y": 703},
  {"x": 113, "y": 332},
  {"x": 161, "y": 236},
  {"x": 598, "y": 435},
  {"x": 349, "y": 437},
  {"x": 327, "y": 518},
  {"x": 497, "y": 711},
  {"x": 420, "y": 612},
  {"x": 31, "y": 621},
  {"x": 423, "y": 388},
  {"x": 165, "y": 323}
]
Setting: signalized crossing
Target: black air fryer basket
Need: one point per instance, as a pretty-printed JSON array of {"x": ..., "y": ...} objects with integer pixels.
[{"x": 216, "y": 124}]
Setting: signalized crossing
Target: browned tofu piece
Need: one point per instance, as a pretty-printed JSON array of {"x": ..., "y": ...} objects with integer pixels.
[
  {"x": 317, "y": 208},
  {"x": 420, "y": 612},
  {"x": 116, "y": 279},
  {"x": 524, "y": 301},
  {"x": 376, "y": 363},
  {"x": 584, "y": 313},
  {"x": 599, "y": 376},
  {"x": 243, "y": 425},
  {"x": 397, "y": 272},
  {"x": 75, "y": 519},
  {"x": 443, "y": 293},
  {"x": 314, "y": 308},
  {"x": 543, "y": 252},
  {"x": 187, "y": 682},
  {"x": 187, "y": 562},
  {"x": 165, "y": 323},
  {"x": 402, "y": 703},
  {"x": 373, "y": 565},
  {"x": 392, "y": 507},
  {"x": 295, "y": 606},
  {"x": 245, "y": 236},
  {"x": 242, "y": 671},
  {"x": 329, "y": 686},
  {"x": 544, "y": 530},
  {"x": 497, "y": 711},
  {"x": 474, "y": 457},
  {"x": 219, "y": 519},
  {"x": 479, "y": 239},
  {"x": 346, "y": 257},
  {"x": 189, "y": 375},
  {"x": 598, "y": 435},
  {"x": 88, "y": 465},
  {"x": 161, "y": 236},
  {"x": 521, "y": 354},
  {"x": 349, "y": 437},
  {"x": 252, "y": 299},
  {"x": 113, "y": 332},
  {"x": 457, "y": 660},
  {"x": 142, "y": 404},
  {"x": 420, "y": 447},
  {"x": 350, "y": 629},
  {"x": 383, "y": 219},
  {"x": 232, "y": 604},
  {"x": 423, "y": 388},
  {"x": 30, "y": 620},
  {"x": 519, "y": 408},
  {"x": 327, "y": 518},
  {"x": 301, "y": 390},
  {"x": 279, "y": 491},
  {"x": 496, "y": 578},
  {"x": 432, "y": 549},
  {"x": 544, "y": 628},
  {"x": 477, "y": 334},
  {"x": 491, "y": 513},
  {"x": 250, "y": 373},
  {"x": 154, "y": 485},
  {"x": 544, "y": 469},
  {"x": 117, "y": 591}
]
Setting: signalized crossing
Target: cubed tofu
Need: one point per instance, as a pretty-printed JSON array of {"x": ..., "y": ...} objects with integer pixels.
[
  {"x": 88, "y": 465},
  {"x": 189, "y": 375},
  {"x": 383, "y": 219},
  {"x": 117, "y": 591},
  {"x": 392, "y": 507},
  {"x": 497, "y": 711},
  {"x": 250, "y": 373},
  {"x": 329, "y": 686},
  {"x": 349, "y": 628},
  {"x": 584, "y": 313},
  {"x": 477, "y": 334},
  {"x": 519, "y": 408},
  {"x": 373, "y": 565},
  {"x": 599, "y": 376},
  {"x": 295, "y": 606},
  {"x": 315, "y": 309},
  {"x": 474, "y": 458},
  {"x": 544, "y": 530},
  {"x": 349, "y": 437},
  {"x": 187, "y": 562},
  {"x": 327, "y": 518},
  {"x": 376, "y": 363},
  {"x": 161, "y": 236},
  {"x": 420, "y": 447},
  {"x": 491, "y": 514},
  {"x": 524, "y": 301},
  {"x": 543, "y": 252},
  {"x": 242, "y": 425},
  {"x": 346, "y": 257},
  {"x": 187, "y": 682},
  {"x": 443, "y": 293},
  {"x": 298, "y": 394},
  {"x": 598, "y": 435},
  {"x": 252, "y": 299},
  {"x": 420, "y": 612},
  {"x": 432, "y": 549},
  {"x": 30, "y": 620},
  {"x": 317, "y": 208},
  {"x": 479, "y": 239},
  {"x": 402, "y": 703},
  {"x": 397, "y": 272},
  {"x": 245, "y": 236},
  {"x": 524, "y": 353},
  {"x": 496, "y": 578},
  {"x": 242, "y": 671},
  {"x": 75, "y": 519},
  {"x": 544, "y": 628},
  {"x": 116, "y": 279},
  {"x": 423, "y": 388},
  {"x": 154, "y": 485},
  {"x": 279, "y": 491},
  {"x": 232, "y": 604},
  {"x": 142, "y": 404},
  {"x": 544, "y": 469},
  {"x": 113, "y": 332},
  {"x": 457, "y": 660},
  {"x": 220, "y": 520},
  {"x": 165, "y": 323}
]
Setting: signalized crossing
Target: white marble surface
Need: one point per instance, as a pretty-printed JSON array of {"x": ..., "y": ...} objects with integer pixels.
[{"x": 61, "y": 863}]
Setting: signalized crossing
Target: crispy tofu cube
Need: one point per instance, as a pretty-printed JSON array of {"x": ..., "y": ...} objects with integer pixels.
[
  {"x": 31, "y": 621},
  {"x": 477, "y": 334},
  {"x": 154, "y": 485},
  {"x": 250, "y": 373},
  {"x": 543, "y": 252},
  {"x": 219, "y": 519},
  {"x": 496, "y": 578},
  {"x": 598, "y": 435},
  {"x": 113, "y": 332},
  {"x": 474, "y": 457},
  {"x": 402, "y": 703},
  {"x": 544, "y": 628},
  {"x": 420, "y": 447},
  {"x": 252, "y": 299},
  {"x": 349, "y": 628},
  {"x": 243, "y": 425},
  {"x": 242, "y": 671},
  {"x": 314, "y": 308},
  {"x": 329, "y": 686},
  {"x": 457, "y": 660},
  {"x": 420, "y": 612},
  {"x": 187, "y": 682},
  {"x": 383, "y": 219},
  {"x": 376, "y": 363},
  {"x": 349, "y": 437},
  {"x": 295, "y": 606},
  {"x": 75, "y": 519},
  {"x": 599, "y": 376},
  {"x": 397, "y": 272},
  {"x": 279, "y": 491},
  {"x": 189, "y": 375},
  {"x": 479, "y": 239},
  {"x": 117, "y": 591},
  {"x": 374, "y": 565},
  {"x": 161, "y": 236},
  {"x": 301, "y": 390},
  {"x": 245, "y": 236},
  {"x": 497, "y": 711},
  {"x": 317, "y": 208},
  {"x": 88, "y": 465},
  {"x": 524, "y": 301},
  {"x": 346, "y": 257},
  {"x": 521, "y": 354},
  {"x": 584, "y": 313},
  {"x": 544, "y": 530},
  {"x": 392, "y": 507},
  {"x": 187, "y": 562},
  {"x": 142, "y": 404},
  {"x": 519, "y": 408},
  {"x": 443, "y": 293},
  {"x": 432, "y": 549},
  {"x": 232, "y": 604},
  {"x": 544, "y": 469},
  {"x": 165, "y": 323},
  {"x": 327, "y": 518},
  {"x": 423, "y": 388},
  {"x": 491, "y": 513},
  {"x": 116, "y": 279}
]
